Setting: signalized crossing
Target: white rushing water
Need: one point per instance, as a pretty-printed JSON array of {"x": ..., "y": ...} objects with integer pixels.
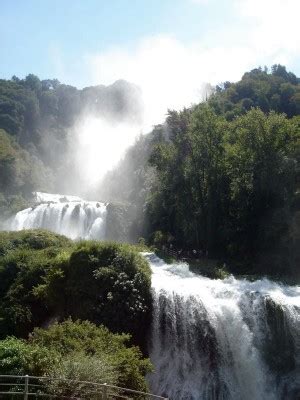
[
  {"x": 223, "y": 339},
  {"x": 66, "y": 215}
]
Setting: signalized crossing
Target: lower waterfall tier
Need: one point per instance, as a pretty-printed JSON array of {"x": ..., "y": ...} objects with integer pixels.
[{"x": 223, "y": 339}]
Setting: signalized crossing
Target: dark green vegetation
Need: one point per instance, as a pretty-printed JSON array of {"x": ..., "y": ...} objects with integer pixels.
[
  {"x": 277, "y": 91},
  {"x": 45, "y": 277},
  {"x": 230, "y": 188},
  {"x": 20, "y": 173},
  {"x": 77, "y": 351},
  {"x": 224, "y": 176}
]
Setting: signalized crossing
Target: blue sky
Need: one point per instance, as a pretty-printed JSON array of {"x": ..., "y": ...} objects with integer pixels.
[
  {"x": 34, "y": 32},
  {"x": 170, "y": 47}
]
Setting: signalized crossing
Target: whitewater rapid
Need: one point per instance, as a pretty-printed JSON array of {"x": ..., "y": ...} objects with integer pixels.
[
  {"x": 67, "y": 215},
  {"x": 223, "y": 339}
]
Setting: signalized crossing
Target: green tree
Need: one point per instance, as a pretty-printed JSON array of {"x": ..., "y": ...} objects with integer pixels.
[{"x": 262, "y": 172}]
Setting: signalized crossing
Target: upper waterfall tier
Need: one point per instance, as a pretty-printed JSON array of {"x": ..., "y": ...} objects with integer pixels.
[{"x": 67, "y": 215}]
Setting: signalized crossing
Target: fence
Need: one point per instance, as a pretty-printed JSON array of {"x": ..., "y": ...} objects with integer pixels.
[{"x": 15, "y": 387}]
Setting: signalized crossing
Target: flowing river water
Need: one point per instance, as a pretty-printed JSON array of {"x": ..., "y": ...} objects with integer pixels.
[{"x": 223, "y": 339}]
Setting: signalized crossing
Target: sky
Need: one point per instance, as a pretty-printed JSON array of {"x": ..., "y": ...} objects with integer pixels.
[
  {"x": 60, "y": 38},
  {"x": 170, "y": 48}
]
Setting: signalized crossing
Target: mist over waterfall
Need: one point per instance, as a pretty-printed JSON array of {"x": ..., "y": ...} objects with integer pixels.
[
  {"x": 223, "y": 339},
  {"x": 66, "y": 215}
]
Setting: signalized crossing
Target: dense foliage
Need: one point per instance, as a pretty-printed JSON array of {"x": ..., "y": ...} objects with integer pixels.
[
  {"x": 45, "y": 276},
  {"x": 229, "y": 188},
  {"x": 20, "y": 172},
  {"x": 77, "y": 351},
  {"x": 277, "y": 90}
]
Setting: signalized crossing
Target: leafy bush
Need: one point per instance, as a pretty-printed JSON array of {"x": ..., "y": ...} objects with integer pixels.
[
  {"x": 26, "y": 259},
  {"x": 113, "y": 289},
  {"x": 76, "y": 351},
  {"x": 44, "y": 276},
  {"x": 75, "y": 370},
  {"x": 87, "y": 338},
  {"x": 19, "y": 357}
]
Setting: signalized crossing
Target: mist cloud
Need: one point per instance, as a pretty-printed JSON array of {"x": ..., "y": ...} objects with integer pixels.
[
  {"x": 173, "y": 74},
  {"x": 97, "y": 144}
]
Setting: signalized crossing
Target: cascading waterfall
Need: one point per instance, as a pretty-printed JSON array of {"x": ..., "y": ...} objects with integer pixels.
[
  {"x": 223, "y": 339},
  {"x": 66, "y": 215},
  {"x": 228, "y": 339}
]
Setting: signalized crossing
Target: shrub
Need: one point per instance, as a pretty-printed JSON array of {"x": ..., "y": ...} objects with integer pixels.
[
  {"x": 26, "y": 258},
  {"x": 113, "y": 289},
  {"x": 45, "y": 276},
  {"x": 76, "y": 351},
  {"x": 19, "y": 357}
]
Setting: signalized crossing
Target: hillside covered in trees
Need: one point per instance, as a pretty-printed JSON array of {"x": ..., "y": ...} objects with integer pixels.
[{"x": 221, "y": 177}]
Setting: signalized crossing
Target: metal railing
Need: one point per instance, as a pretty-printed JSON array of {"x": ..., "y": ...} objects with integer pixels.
[{"x": 15, "y": 387}]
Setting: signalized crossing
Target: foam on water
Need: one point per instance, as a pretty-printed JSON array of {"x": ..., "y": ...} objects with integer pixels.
[{"x": 218, "y": 339}]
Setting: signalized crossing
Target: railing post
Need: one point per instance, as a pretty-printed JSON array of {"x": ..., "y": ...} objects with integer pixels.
[
  {"x": 26, "y": 387},
  {"x": 104, "y": 391}
]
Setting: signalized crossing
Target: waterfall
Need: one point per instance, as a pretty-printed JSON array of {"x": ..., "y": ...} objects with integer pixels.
[
  {"x": 228, "y": 339},
  {"x": 66, "y": 215}
]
